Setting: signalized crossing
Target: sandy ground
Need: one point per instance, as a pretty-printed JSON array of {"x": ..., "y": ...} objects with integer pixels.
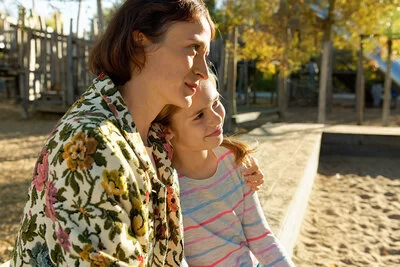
[
  {"x": 21, "y": 141},
  {"x": 353, "y": 216}
]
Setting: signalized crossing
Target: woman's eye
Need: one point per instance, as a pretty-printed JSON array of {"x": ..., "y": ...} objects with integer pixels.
[
  {"x": 216, "y": 104},
  {"x": 199, "y": 116},
  {"x": 194, "y": 47}
]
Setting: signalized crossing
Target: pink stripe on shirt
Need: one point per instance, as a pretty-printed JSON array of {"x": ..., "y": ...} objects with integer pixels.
[
  {"x": 218, "y": 216},
  {"x": 210, "y": 236},
  {"x": 258, "y": 237},
  {"x": 195, "y": 189}
]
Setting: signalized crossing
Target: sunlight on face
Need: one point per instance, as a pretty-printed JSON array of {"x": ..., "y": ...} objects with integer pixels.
[{"x": 199, "y": 127}]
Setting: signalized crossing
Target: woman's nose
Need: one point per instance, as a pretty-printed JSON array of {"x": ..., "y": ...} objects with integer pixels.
[{"x": 200, "y": 68}]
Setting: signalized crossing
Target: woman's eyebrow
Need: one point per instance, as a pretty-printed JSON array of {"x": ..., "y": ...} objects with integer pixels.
[{"x": 201, "y": 43}]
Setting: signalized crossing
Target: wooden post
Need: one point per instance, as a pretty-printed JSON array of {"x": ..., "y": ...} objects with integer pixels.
[
  {"x": 70, "y": 69},
  {"x": 388, "y": 85},
  {"x": 22, "y": 65},
  {"x": 360, "y": 85}
]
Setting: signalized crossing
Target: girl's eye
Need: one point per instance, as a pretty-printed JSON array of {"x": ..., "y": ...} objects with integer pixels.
[{"x": 199, "y": 116}]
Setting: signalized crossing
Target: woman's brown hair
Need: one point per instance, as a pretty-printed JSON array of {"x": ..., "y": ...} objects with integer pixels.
[
  {"x": 240, "y": 150},
  {"x": 117, "y": 53}
]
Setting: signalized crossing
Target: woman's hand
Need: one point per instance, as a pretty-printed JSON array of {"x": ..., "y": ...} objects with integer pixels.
[{"x": 253, "y": 175}]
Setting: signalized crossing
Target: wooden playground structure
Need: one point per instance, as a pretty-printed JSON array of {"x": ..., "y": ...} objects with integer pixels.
[{"x": 40, "y": 66}]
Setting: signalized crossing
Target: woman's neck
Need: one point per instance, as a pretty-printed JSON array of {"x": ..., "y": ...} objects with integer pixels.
[
  {"x": 142, "y": 106},
  {"x": 196, "y": 165}
]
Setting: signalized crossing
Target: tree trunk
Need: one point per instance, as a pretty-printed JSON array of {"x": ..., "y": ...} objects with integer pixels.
[
  {"x": 282, "y": 94},
  {"x": 232, "y": 76},
  {"x": 360, "y": 85},
  {"x": 388, "y": 85},
  {"x": 329, "y": 86},
  {"x": 323, "y": 81},
  {"x": 101, "y": 18}
]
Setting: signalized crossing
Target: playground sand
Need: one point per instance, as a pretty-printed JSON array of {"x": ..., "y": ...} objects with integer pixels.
[
  {"x": 353, "y": 215},
  {"x": 21, "y": 141}
]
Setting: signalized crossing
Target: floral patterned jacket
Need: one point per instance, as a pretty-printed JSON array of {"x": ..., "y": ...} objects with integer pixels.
[{"x": 95, "y": 198}]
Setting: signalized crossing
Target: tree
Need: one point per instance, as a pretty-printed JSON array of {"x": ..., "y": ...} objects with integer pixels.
[
  {"x": 99, "y": 15},
  {"x": 283, "y": 35},
  {"x": 345, "y": 21},
  {"x": 279, "y": 37}
]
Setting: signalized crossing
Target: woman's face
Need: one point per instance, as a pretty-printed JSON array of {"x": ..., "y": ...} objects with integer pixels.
[
  {"x": 199, "y": 127},
  {"x": 175, "y": 66}
]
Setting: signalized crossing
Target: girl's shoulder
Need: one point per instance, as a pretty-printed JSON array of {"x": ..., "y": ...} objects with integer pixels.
[{"x": 224, "y": 154}]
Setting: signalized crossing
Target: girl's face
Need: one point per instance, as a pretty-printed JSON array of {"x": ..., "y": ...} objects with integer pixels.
[
  {"x": 199, "y": 127},
  {"x": 175, "y": 67}
]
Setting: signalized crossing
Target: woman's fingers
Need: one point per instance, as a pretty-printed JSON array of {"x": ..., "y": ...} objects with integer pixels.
[
  {"x": 252, "y": 168},
  {"x": 253, "y": 175}
]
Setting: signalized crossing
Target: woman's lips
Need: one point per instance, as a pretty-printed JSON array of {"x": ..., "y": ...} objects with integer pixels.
[{"x": 192, "y": 86}]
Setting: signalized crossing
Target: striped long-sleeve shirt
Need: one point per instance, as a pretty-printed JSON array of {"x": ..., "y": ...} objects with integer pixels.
[{"x": 223, "y": 221}]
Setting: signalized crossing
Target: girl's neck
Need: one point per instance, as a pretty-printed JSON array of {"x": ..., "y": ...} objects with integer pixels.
[
  {"x": 197, "y": 165},
  {"x": 142, "y": 106}
]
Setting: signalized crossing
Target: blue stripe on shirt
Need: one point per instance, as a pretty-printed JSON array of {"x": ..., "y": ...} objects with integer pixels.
[{"x": 227, "y": 194}]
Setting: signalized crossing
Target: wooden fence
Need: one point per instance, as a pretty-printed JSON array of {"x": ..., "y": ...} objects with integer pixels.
[{"x": 45, "y": 69}]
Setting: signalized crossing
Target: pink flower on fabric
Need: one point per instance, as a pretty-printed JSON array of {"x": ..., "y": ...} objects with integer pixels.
[
  {"x": 42, "y": 173},
  {"x": 51, "y": 192},
  {"x": 111, "y": 106},
  {"x": 63, "y": 238},
  {"x": 113, "y": 109},
  {"x": 169, "y": 149},
  {"x": 172, "y": 199}
]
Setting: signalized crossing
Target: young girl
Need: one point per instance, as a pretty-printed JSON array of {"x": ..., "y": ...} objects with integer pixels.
[{"x": 223, "y": 220}]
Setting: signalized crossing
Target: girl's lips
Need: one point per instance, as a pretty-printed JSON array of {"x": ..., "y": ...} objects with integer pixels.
[{"x": 215, "y": 133}]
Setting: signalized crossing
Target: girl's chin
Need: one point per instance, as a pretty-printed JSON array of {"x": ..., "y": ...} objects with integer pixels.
[{"x": 189, "y": 101}]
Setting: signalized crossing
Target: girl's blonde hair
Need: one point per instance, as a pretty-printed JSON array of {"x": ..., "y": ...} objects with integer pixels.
[{"x": 240, "y": 150}]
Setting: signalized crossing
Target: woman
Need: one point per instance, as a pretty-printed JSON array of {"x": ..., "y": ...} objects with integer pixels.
[{"x": 95, "y": 197}]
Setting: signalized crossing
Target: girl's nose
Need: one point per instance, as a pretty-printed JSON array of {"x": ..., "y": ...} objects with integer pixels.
[{"x": 216, "y": 118}]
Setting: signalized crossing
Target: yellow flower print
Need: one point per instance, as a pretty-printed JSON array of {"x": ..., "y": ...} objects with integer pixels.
[
  {"x": 84, "y": 254},
  {"x": 89, "y": 254},
  {"x": 139, "y": 224},
  {"x": 79, "y": 151},
  {"x": 114, "y": 183}
]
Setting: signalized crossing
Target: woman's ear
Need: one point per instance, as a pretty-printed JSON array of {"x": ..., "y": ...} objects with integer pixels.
[
  {"x": 140, "y": 38},
  {"x": 168, "y": 133}
]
